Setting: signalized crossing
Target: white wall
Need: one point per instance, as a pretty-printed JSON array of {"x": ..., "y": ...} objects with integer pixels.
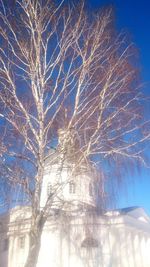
[
  {"x": 59, "y": 178},
  {"x": 120, "y": 244}
]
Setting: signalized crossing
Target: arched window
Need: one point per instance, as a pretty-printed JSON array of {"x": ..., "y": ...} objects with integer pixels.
[
  {"x": 49, "y": 189},
  {"x": 21, "y": 242},
  {"x": 72, "y": 187},
  {"x": 90, "y": 242},
  {"x": 90, "y": 189}
]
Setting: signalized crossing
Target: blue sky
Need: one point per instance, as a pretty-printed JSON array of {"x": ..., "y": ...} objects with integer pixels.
[{"x": 134, "y": 17}]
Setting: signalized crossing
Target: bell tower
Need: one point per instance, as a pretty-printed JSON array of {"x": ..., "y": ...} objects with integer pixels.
[{"x": 68, "y": 181}]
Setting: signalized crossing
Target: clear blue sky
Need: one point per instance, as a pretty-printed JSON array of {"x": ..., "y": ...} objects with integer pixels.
[{"x": 134, "y": 16}]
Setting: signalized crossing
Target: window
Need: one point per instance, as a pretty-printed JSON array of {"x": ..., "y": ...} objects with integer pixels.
[
  {"x": 6, "y": 244},
  {"x": 21, "y": 242},
  {"x": 72, "y": 188},
  {"x": 90, "y": 190},
  {"x": 49, "y": 189},
  {"x": 89, "y": 242}
]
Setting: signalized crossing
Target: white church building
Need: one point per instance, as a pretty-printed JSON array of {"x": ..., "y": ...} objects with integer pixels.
[
  {"x": 78, "y": 236},
  {"x": 116, "y": 239}
]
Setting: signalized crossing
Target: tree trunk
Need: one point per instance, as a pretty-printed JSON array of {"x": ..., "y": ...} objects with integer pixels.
[
  {"x": 34, "y": 244},
  {"x": 33, "y": 253}
]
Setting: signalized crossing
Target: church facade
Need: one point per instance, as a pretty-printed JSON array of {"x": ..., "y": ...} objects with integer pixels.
[{"x": 119, "y": 238}]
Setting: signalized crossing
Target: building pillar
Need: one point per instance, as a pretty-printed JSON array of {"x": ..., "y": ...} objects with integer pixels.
[{"x": 137, "y": 250}]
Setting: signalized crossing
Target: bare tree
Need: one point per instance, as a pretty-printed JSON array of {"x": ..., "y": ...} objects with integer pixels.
[{"x": 61, "y": 69}]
